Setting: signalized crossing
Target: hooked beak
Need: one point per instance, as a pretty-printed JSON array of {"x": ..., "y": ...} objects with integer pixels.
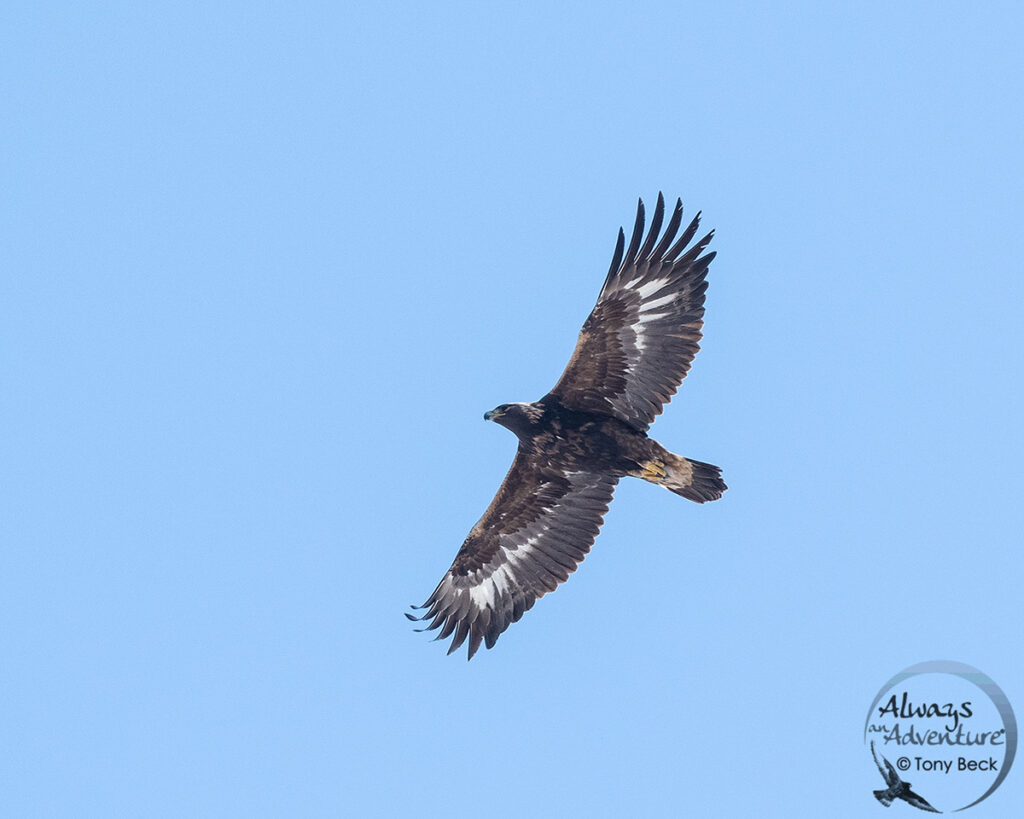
[{"x": 492, "y": 414}]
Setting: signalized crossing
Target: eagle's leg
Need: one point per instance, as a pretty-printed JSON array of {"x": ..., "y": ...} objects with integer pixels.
[{"x": 653, "y": 471}]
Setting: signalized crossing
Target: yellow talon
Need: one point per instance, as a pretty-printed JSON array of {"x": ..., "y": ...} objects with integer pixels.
[{"x": 653, "y": 470}]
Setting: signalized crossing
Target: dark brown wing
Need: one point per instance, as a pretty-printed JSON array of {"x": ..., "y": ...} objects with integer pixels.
[
  {"x": 538, "y": 528},
  {"x": 638, "y": 343}
]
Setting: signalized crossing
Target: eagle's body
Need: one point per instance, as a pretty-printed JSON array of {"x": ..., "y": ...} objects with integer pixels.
[
  {"x": 572, "y": 439},
  {"x": 583, "y": 441},
  {"x": 577, "y": 441}
]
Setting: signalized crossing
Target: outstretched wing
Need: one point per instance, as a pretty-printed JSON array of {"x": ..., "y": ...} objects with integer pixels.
[
  {"x": 918, "y": 802},
  {"x": 538, "y": 528},
  {"x": 888, "y": 772},
  {"x": 639, "y": 341}
]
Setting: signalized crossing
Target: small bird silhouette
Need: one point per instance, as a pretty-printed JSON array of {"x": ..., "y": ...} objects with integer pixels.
[{"x": 898, "y": 789}]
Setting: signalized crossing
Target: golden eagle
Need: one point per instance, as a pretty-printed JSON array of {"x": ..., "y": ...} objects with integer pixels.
[{"x": 575, "y": 443}]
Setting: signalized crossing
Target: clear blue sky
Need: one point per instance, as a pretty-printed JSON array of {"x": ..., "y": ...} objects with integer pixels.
[{"x": 263, "y": 268}]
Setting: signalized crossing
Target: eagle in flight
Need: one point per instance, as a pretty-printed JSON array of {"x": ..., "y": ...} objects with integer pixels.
[{"x": 575, "y": 443}]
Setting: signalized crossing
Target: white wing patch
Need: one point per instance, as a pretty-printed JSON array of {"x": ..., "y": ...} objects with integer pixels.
[
  {"x": 640, "y": 327},
  {"x": 654, "y": 304},
  {"x": 646, "y": 314},
  {"x": 648, "y": 288},
  {"x": 487, "y": 591}
]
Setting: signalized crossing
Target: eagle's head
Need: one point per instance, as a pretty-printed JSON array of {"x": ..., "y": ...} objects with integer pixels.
[{"x": 520, "y": 418}]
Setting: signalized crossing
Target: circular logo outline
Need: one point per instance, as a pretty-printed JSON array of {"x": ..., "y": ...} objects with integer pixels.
[{"x": 980, "y": 680}]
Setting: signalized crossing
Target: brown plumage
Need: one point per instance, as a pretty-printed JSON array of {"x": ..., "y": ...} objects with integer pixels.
[{"x": 577, "y": 441}]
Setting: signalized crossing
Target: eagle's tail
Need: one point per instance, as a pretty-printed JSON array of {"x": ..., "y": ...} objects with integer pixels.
[{"x": 694, "y": 480}]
